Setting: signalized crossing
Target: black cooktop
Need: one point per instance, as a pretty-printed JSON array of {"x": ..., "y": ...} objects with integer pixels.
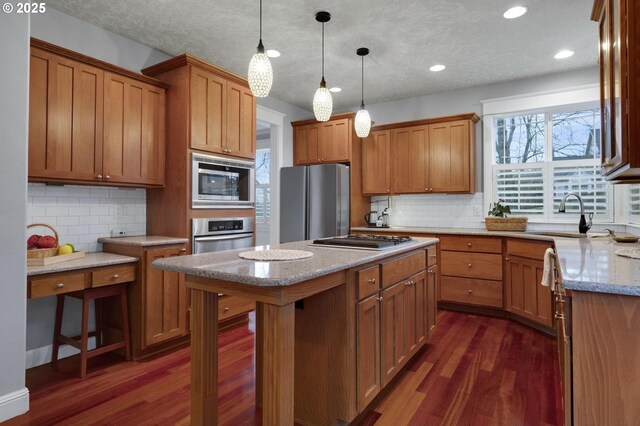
[{"x": 364, "y": 241}]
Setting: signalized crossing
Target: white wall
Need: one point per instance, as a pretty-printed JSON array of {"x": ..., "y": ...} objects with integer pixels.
[{"x": 14, "y": 86}]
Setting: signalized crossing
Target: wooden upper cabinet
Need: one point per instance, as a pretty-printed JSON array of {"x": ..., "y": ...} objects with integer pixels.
[
  {"x": 450, "y": 163},
  {"x": 92, "y": 122},
  {"x": 619, "y": 60},
  {"x": 65, "y": 118},
  {"x": 241, "y": 121},
  {"x": 409, "y": 150},
  {"x": 133, "y": 131},
  {"x": 207, "y": 105},
  {"x": 323, "y": 142},
  {"x": 376, "y": 163}
]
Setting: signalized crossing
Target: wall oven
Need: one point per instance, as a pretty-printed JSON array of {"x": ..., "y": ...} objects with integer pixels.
[
  {"x": 219, "y": 234},
  {"x": 222, "y": 183}
]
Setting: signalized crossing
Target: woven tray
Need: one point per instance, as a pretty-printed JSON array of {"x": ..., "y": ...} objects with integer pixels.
[
  {"x": 43, "y": 253},
  {"x": 275, "y": 254},
  {"x": 517, "y": 224}
]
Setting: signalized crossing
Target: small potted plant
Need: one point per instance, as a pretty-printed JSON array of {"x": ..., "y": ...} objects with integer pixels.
[{"x": 498, "y": 220}]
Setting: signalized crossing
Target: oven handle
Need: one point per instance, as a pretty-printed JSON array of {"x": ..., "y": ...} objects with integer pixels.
[{"x": 223, "y": 237}]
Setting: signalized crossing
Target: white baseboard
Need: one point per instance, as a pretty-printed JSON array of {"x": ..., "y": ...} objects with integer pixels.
[
  {"x": 13, "y": 404},
  {"x": 42, "y": 355}
]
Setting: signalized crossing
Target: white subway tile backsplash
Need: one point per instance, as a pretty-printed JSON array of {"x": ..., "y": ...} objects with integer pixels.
[{"x": 82, "y": 214}]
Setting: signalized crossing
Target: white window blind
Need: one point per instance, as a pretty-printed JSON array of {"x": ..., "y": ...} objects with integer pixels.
[
  {"x": 522, "y": 189},
  {"x": 634, "y": 203}
]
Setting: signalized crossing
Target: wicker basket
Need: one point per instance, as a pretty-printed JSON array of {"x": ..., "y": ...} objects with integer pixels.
[
  {"x": 42, "y": 253},
  {"x": 517, "y": 224}
]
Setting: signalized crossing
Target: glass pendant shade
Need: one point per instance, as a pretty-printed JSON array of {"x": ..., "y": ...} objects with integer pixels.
[
  {"x": 322, "y": 103},
  {"x": 260, "y": 74},
  {"x": 363, "y": 123}
]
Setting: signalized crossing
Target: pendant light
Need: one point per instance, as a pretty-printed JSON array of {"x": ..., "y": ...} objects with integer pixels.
[
  {"x": 260, "y": 71},
  {"x": 322, "y": 102},
  {"x": 363, "y": 120}
]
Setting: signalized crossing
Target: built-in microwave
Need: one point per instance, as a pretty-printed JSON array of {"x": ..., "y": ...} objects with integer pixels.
[{"x": 222, "y": 183}]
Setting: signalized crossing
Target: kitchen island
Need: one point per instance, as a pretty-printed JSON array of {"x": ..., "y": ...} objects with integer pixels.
[{"x": 336, "y": 326}]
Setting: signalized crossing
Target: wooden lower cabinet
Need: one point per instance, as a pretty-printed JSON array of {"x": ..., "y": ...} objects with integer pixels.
[
  {"x": 368, "y": 350},
  {"x": 432, "y": 299},
  {"x": 392, "y": 331},
  {"x": 157, "y": 300}
]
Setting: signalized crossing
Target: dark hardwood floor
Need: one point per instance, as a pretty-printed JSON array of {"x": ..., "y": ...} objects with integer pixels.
[{"x": 475, "y": 371}]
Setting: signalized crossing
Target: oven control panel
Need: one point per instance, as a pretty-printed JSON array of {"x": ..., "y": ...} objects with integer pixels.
[{"x": 225, "y": 225}]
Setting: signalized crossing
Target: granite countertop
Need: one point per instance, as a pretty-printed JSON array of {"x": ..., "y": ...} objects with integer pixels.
[
  {"x": 592, "y": 265},
  {"x": 456, "y": 231},
  {"x": 144, "y": 240},
  {"x": 227, "y": 266},
  {"x": 90, "y": 260}
]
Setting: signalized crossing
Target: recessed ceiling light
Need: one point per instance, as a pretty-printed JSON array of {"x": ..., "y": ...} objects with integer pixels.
[
  {"x": 515, "y": 12},
  {"x": 335, "y": 89},
  {"x": 563, "y": 54},
  {"x": 436, "y": 68},
  {"x": 272, "y": 53}
]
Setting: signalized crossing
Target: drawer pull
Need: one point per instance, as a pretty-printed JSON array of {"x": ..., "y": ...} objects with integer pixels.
[
  {"x": 469, "y": 265},
  {"x": 371, "y": 281},
  {"x": 226, "y": 309},
  {"x": 506, "y": 258},
  {"x": 220, "y": 294},
  {"x": 469, "y": 291},
  {"x": 430, "y": 271},
  {"x": 379, "y": 298},
  {"x": 433, "y": 256},
  {"x": 116, "y": 276},
  {"x": 107, "y": 177},
  {"x": 99, "y": 177},
  {"x": 60, "y": 285},
  {"x": 468, "y": 244},
  {"x": 183, "y": 250}
]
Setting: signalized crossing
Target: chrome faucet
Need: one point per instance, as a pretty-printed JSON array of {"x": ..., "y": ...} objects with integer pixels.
[{"x": 583, "y": 226}]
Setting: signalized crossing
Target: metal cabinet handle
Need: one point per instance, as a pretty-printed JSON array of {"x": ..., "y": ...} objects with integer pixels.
[
  {"x": 107, "y": 177},
  {"x": 379, "y": 298},
  {"x": 430, "y": 189},
  {"x": 506, "y": 258},
  {"x": 468, "y": 244},
  {"x": 220, "y": 294},
  {"x": 372, "y": 281},
  {"x": 430, "y": 272},
  {"x": 226, "y": 309},
  {"x": 99, "y": 177},
  {"x": 469, "y": 265},
  {"x": 60, "y": 285},
  {"x": 183, "y": 250},
  {"x": 433, "y": 256},
  {"x": 116, "y": 276},
  {"x": 469, "y": 291}
]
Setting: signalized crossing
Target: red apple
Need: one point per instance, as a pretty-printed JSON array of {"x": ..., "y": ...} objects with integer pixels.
[
  {"x": 32, "y": 242},
  {"x": 47, "y": 242}
]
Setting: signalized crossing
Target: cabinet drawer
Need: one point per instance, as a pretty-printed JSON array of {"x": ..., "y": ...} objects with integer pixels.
[
  {"x": 473, "y": 244},
  {"x": 471, "y": 265},
  {"x": 474, "y": 292},
  {"x": 113, "y": 275},
  {"x": 404, "y": 267},
  {"x": 368, "y": 281},
  {"x": 432, "y": 256},
  {"x": 59, "y": 284},
  {"x": 527, "y": 249},
  {"x": 231, "y": 306}
]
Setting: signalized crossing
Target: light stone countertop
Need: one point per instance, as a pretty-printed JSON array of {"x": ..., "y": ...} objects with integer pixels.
[
  {"x": 592, "y": 265},
  {"x": 144, "y": 240},
  {"x": 90, "y": 260},
  {"x": 455, "y": 231},
  {"x": 227, "y": 266}
]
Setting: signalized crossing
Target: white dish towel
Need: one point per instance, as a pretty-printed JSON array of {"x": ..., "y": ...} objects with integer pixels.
[{"x": 551, "y": 274}]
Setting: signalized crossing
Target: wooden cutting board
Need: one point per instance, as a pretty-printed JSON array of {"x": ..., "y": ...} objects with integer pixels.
[{"x": 55, "y": 259}]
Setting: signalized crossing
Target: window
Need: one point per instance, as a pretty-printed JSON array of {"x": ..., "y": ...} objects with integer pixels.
[
  {"x": 263, "y": 185},
  {"x": 539, "y": 157},
  {"x": 634, "y": 204}
]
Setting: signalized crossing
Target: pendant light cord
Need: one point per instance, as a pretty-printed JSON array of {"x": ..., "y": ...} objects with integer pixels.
[
  {"x": 322, "y": 50},
  {"x": 362, "y": 102},
  {"x": 260, "y": 21}
]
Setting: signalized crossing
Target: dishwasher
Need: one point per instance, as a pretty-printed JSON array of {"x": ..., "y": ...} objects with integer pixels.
[{"x": 218, "y": 234}]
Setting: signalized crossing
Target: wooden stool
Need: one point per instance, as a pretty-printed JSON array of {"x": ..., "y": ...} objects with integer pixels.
[{"x": 81, "y": 342}]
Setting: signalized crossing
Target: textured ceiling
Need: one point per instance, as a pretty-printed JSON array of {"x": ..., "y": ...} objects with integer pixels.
[{"x": 405, "y": 37}]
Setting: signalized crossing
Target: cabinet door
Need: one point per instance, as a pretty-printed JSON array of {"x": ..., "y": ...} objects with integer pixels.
[
  {"x": 376, "y": 163},
  {"x": 392, "y": 341},
  {"x": 305, "y": 145},
  {"x": 432, "y": 299},
  {"x": 335, "y": 137},
  {"x": 240, "y": 115},
  {"x": 449, "y": 157},
  {"x": 368, "y": 350},
  {"x": 528, "y": 297},
  {"x": 165, "y": 300},
  {"x": 133, "y": 149},
  {"x": 208, "y": 95},
  {"x": 65, "y": 119},
  {"x": 410, "y": 146}
]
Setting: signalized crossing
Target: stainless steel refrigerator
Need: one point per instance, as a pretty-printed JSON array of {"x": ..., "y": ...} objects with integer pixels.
[{"x": 314, "y": 202}]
